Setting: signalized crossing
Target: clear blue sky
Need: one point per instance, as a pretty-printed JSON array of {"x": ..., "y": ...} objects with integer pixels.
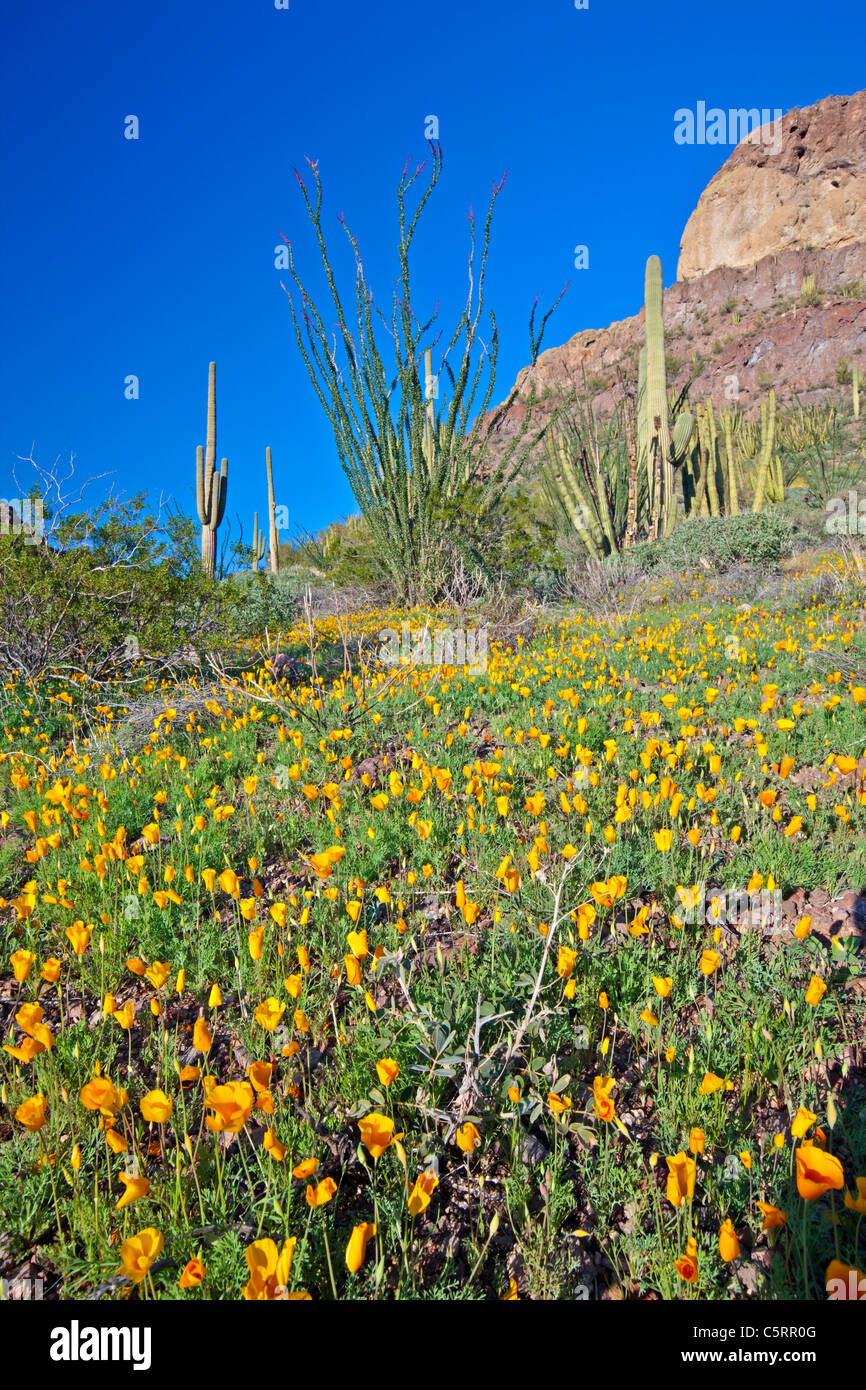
[{"x": 153, "y": 257}]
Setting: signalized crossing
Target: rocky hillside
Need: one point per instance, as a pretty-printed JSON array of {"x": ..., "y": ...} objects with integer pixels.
[{"x": 771, "y": 282}]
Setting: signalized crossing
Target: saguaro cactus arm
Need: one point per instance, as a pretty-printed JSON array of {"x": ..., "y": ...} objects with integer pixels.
[{"x": 258, "y": 542}]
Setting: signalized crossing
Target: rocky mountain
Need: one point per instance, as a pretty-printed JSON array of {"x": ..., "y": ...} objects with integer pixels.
[{"x": 771, "y": 281}]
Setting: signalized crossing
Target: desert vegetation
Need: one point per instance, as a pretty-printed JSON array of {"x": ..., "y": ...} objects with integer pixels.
[{"x": 464, "y": 901}]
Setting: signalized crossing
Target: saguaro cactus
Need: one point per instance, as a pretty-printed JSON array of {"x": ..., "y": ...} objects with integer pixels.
[
  {"x": 274, "y": 535},
  {"x": 658, "y": 434},
  {"x": 663, "y": 449},
  {"x": 258, "y": 542},
  {"x": 210, "y": 487}
]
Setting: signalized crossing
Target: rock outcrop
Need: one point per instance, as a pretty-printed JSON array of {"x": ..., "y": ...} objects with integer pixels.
[{"x": 811, "y": 193}]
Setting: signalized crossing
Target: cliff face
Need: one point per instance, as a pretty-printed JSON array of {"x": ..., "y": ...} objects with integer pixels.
[
  {"x": 739, "y": 310},
  {"x": 812, "y": 193}
]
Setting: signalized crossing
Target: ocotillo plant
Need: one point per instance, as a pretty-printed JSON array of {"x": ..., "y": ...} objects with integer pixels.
[
  {"x": 210, "y": 487},
  {"x": 274, "y": 535},
  {"x": 405, "y": 457},
  {"x": 663, "y": 450},
  {"x": 259, "y": 542},
  {"x": 855, "y": 390}
]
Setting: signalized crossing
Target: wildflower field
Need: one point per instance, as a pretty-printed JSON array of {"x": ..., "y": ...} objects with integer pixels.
[{"x": 539, "y": 981}]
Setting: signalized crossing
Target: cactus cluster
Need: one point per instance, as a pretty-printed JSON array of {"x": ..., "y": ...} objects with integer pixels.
[
  {"x": 588, "y": 486},
  {"x": 211, "y": 488},
  {"x": 604, "y": 493},
  {"x": 712, "y": 469}
]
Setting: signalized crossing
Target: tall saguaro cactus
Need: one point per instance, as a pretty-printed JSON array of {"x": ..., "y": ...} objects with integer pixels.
[
  {"x": 274, "y": 535},
  {"x": 656, "y": 395},
  {"x": 663, "y": 447},
  {"x": 210, "y": 487}
]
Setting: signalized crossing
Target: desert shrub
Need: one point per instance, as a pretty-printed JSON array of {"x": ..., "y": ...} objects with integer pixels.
[
  {"x": 102, "y": 589},
  {"x": 343, "y": 554},
  {"x": 511, "y": 544},
  {"x": 843, "y": 372},
  {"x": 614, "y": 587},
  {"x": 721, "y": 541},
  {"x": 260, "y": 600}
]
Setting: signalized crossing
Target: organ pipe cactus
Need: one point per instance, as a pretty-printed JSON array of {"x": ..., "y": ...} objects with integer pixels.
[
  {"x": 712, "y": 460},
  {"x": 765, "y": 457},
  {"x": 730, "y": 464},
  {"x": 210, "y": 486},
  {"x": 564, "y": 488},
  {"x": 590, "y": 478}
]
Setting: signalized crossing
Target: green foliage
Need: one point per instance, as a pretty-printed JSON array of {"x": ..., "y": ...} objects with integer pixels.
[
  {"x": 753, "y": 537},
  {"x": 829, "y": 463},
  {"x": 344, "y": 553},
  {"x": 511, "y": 544},
  {"x": 843, "y": 372},
  {"x": 261, "y": 600},
  {"x": 106, "y": 587}
]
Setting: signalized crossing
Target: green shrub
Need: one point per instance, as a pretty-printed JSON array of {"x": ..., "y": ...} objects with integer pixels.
[
  {"x": 752, "y": 538},
  {"x": 100, "y": 589},
  {"x": 259, "y": 600}
]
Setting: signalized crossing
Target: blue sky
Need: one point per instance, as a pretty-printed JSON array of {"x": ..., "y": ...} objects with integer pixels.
[{"x": 152, "y": 257}]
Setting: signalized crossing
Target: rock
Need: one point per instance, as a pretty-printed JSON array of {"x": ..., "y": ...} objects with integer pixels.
[{"x": 805, "y": 189}]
